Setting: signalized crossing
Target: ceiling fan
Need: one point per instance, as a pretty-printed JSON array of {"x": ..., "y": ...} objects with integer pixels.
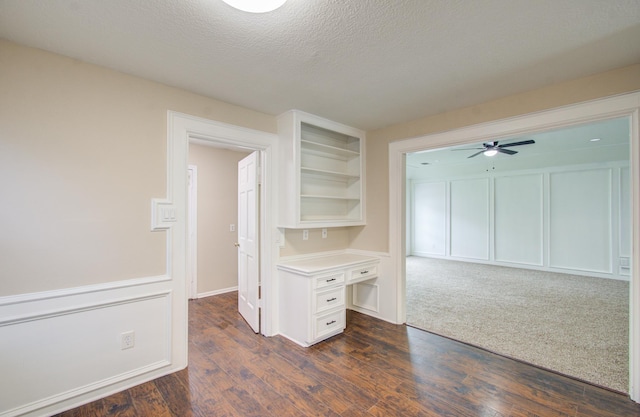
[{"x": 492, "y": 148}]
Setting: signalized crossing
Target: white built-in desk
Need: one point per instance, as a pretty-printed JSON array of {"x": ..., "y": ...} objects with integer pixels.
[{"x": 312, "y": 294}]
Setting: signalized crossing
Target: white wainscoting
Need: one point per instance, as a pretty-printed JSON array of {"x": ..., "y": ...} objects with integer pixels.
[
  {"x": 62, "y": 348},
  {"x": 469, "y": 216},
  {"x": 566, "y": 219},
  {"x": 430, "y": 222},
  {"x": 580, "y": 222},
  {"x": 518, "y": 214}
]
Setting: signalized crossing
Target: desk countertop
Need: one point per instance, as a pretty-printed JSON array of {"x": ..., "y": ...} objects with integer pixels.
[{"x": 323, "y": 263}]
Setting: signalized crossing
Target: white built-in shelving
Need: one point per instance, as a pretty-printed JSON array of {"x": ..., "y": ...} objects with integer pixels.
[{"x": 321, "y": 172}]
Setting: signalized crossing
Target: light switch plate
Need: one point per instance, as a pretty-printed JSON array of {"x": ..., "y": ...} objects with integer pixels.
[{"x": 163, "y": 214}]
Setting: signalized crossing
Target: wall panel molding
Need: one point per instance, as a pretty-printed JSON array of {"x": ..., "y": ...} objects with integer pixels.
[
  {"x": 59, "y": 349},
  {"x": 581, "y": 222},
  {"x": 520, "y": 219},
  {"x": 469, "y": 224},
  {"x": 89, "y": 289},
  {"x": 9, "y": 320}
]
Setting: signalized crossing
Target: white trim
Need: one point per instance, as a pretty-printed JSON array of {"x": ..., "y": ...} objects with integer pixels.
[
  {"x": 192, "y": 232},
  {"x": 551, "y": 261},
  {"x": 634, "y": 286},
  {"x": 87, "y": 289},
  {"x": 13, "y": 320},
  {"x": 60, "y": 307},
  {"x": 108, "y": 382},
  {"x": 627, "y": 105},
  {"x": 184, "y": 129},
  {"x": 217, "y": 292}
]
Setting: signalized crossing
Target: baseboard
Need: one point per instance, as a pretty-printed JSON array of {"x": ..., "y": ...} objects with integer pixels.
[
  {"x": 535, "y": 267},
  {"x": 217, "y": 292}
]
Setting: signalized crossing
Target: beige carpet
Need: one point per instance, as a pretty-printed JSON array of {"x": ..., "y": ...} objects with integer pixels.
[{"x": 575, "y": 325}]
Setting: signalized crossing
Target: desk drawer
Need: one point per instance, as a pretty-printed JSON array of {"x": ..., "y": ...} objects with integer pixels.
[
  {"x": 328, "y": 299},
  {"x": 362, "y": 274},
  {"x": 329, "y": 280},
  {"x": 329, "y": 324}
]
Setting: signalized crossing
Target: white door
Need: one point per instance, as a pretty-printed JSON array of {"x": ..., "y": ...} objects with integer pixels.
[{"x": 248, "y": 253}]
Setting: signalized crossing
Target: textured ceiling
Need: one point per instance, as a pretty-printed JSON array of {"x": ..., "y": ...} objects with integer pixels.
[{"x": 366, "y": 63}]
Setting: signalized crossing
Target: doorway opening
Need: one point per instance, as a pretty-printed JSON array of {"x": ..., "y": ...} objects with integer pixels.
[
  {"x": 212, "y": 225},
  {"x": 626, "y": 106},
  {"x": 182, "y": 130},
  {"x": 504, "y": 249},
  {"x": 223, "y": 238}
]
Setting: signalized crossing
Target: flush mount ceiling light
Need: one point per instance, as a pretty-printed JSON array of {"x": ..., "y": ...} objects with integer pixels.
[{"x": 255, "y": 6}]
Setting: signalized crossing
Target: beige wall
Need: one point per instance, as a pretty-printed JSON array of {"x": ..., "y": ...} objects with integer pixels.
[
  {"x": 375, "y": 236},
  {"x": 217, "y": 210},
  {"x": 82, "y": 152},
  {"x": 337, "y": 239}
]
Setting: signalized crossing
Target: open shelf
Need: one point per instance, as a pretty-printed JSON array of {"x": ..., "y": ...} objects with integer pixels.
[
  {"x": 308, "y": 146},
  {"x": 328, "y": 197},
  {"x": 322, "y": 172}
]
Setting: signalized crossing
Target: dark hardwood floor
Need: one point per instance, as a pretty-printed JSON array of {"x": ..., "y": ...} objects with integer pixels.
[{"x": 373, "y": 369}]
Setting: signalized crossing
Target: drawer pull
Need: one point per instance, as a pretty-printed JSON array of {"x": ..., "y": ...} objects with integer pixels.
[
  {"x": 364, "y": 272},
  {"x": 332, "y": 279},
  {"x": 331, "y": 299},
  {"x": 331, "y": 322}
]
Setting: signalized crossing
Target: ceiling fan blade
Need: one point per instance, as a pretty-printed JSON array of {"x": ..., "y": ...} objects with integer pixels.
[
  {"x": 476, "y": 154},
  {"x": 524, "y": 142},
  {"x": 507, "y": 151}
]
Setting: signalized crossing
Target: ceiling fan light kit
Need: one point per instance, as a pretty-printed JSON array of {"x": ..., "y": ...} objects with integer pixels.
[{"x": 492, "y": 148}]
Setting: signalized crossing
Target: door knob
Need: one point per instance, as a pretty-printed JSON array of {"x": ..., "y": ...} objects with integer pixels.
[{"x": 237, "y": 245}]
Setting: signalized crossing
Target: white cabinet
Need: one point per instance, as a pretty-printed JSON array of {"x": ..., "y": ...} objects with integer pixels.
[
  {"x": 321, "y": 172},
  {"x": 312, "y": 294}
]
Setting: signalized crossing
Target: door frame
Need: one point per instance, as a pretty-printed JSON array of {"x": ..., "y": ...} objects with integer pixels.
[
  {"x": 627, "y": 105},
  {"x": 192, "y": 232},
  {"x": 183, "y": 129}
]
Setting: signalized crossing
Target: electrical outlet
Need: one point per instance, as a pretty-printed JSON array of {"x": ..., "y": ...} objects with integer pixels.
[
  {"x": 305, "y": 234},
  {"x": 324, "y": 233},
  {"x": 128, "y": 340}
]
